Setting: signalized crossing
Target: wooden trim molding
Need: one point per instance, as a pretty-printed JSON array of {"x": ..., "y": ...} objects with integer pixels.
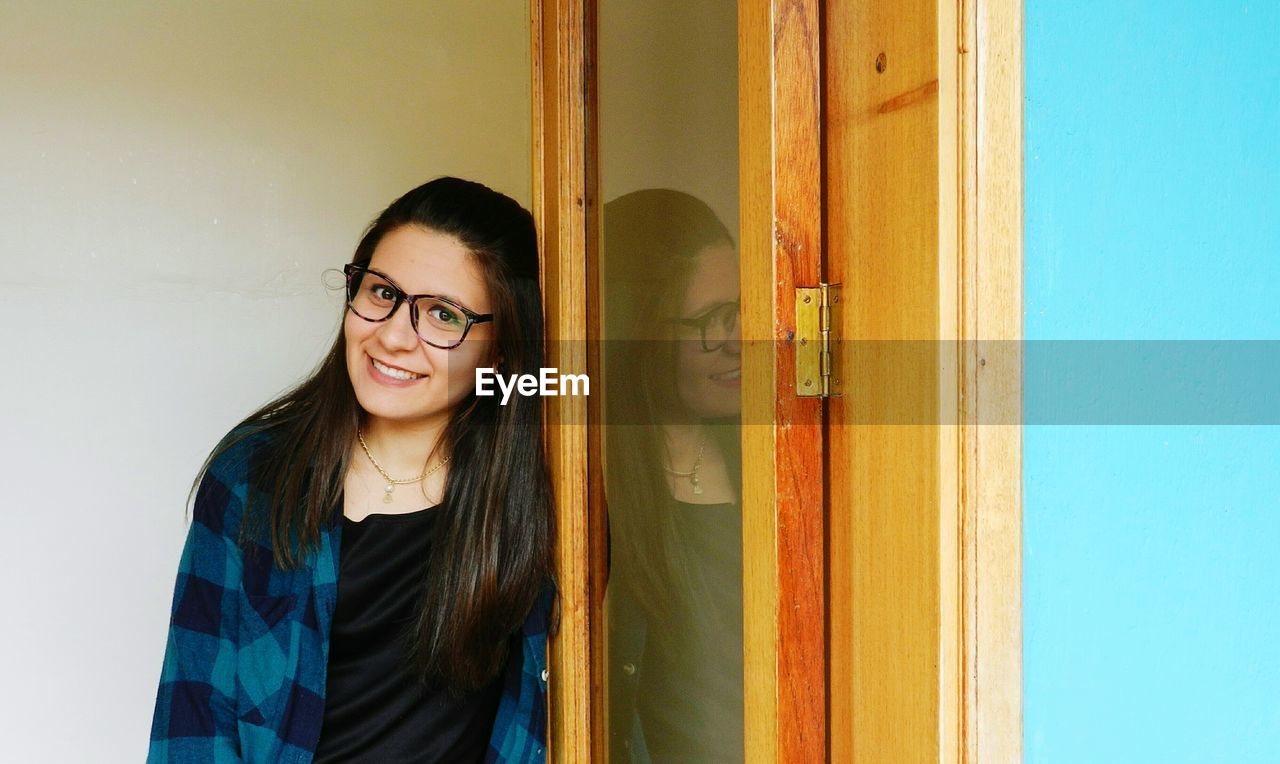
[
  {"x": 759, "y": 521},
  {"x": 982, "y": 548},
  {"x": 565, "y": 209},
  {"x": 993, "y": 497}
]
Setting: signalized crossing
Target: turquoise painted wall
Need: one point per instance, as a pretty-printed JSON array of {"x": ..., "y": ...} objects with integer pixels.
[{"x": 1152, "y": 553}]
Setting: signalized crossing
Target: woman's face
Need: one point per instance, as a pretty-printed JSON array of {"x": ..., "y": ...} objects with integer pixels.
[
  {"x": 709, "y": 382},
  {"x": 419, "y": 261}
]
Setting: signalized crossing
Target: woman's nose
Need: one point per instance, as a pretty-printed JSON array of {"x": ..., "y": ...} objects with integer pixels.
[{"x": 396, "y": 333}]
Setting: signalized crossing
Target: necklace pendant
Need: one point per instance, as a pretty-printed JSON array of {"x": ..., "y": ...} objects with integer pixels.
[
  {"x": 386, "y": 497},
  {"x": 697, "y": 486}
]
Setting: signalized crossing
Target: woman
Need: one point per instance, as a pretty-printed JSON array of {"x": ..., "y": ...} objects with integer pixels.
[
  {"x": 368, "y": 571},
  {"x": 672, "y": 362}
]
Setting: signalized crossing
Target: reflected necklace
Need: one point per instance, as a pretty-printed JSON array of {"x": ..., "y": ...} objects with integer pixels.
[
  {"x": 392, "y": 482},
  {"x": 693, "y": 473}
]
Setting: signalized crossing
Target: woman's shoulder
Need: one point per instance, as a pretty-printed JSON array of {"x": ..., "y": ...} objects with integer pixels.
[
  {"x": 225, "y": 481},
  {"x": 240, "y": 449},
  {"x": 543, "y": 616},
  {"x": 236, "y": 452}
]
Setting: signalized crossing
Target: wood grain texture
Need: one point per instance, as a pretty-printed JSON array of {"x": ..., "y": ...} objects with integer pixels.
[
  {"x": 994, "y": 702},
  {"x": 597, "y": 505},
  {"x": 798, "y": 434},
  {"x": 924, "y": 230},
  {"x": 759, "y": 519},
  {"x": 983, "y": 629},
  {"x": 784, "y": 560},
  {"x": 955, "y": 378},
  {"x": 924, "y": 197},
  {"x": 883, "y": 198},
  {"x": 564, "y": 207}
]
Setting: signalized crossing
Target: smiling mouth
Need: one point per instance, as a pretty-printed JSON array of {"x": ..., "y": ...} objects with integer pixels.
[
  {"x": 393, "y": 372},
  {"x": 726, "y": 376}
]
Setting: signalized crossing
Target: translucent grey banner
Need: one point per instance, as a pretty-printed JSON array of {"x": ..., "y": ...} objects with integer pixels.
[{"x": 1062, "y": 382}]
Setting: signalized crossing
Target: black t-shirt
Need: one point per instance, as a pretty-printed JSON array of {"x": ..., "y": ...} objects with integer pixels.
[
  {"x": 375, "y": 708},
  {"x": 689, "y": 696}
]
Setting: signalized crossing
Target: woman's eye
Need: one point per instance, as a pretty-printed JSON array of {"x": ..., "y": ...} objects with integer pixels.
[
  {"x": 443, "y": 315},
  {"x": 382, "y": 292}
]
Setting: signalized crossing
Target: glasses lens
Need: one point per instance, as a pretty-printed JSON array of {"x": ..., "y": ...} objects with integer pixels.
[
  {"x": 719, "y": 326},
  {"x": 370, "y": 295},
  {"x": 440, "y": 322}
]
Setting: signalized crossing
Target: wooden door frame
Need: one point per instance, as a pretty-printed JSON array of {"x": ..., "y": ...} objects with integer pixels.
[
  {"x": 980, "y": 94},
  {"x": 566, "y": 212},
  {"x": 985, "y": 562}
]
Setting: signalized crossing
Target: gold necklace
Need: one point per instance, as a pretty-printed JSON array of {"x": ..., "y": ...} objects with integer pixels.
[
  {"x": 392, "y": 482},
  {"x": 693, "y": 473}
]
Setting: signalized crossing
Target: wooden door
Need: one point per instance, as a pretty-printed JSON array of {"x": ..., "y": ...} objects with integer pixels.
[
  {"x": 879, "y": 149},
  {"x": 882, "y": 144}
]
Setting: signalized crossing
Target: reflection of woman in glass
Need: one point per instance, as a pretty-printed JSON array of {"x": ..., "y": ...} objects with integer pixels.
[
  {"x": 672, "y": 478},
  {"x": 367, "y": 571}
]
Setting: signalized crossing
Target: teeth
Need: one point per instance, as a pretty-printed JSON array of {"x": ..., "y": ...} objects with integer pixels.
[
  {"x": 735, "y": 374},
  {"x": 396, "y": 373}
]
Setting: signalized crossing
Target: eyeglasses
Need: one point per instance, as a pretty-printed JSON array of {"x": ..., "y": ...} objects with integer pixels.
[
  {"x": 715, "y": 326},
  {"x": 437, "y": 321}
]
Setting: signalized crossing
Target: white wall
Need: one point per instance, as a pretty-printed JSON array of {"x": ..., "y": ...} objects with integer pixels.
[
  {"x": 668, "y": 91},
  {"x": 173, "y": 180}
]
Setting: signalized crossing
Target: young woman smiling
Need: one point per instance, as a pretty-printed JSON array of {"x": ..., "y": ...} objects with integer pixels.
[{"x": 368, "y": 571}]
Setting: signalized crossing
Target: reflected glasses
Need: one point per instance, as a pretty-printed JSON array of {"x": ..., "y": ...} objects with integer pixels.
[
  {"x": 437, "y": 321},
  {"x": 714, "y": 326}
]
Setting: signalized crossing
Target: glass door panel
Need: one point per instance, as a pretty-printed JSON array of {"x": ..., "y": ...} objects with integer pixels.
[{"x": 670, "y": 372}]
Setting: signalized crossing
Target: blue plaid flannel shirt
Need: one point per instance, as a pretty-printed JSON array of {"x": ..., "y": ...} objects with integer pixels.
[{"x": 245, "y": 666}]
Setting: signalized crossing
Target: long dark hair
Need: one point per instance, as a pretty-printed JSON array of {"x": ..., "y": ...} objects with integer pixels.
[
  {"x": 652, "y": 239},
  {"x": 491, "y": 556}
]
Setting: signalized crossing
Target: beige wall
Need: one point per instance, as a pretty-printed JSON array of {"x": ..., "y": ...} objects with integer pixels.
[
  {"x": 668, "y": 93},
  {"x": 173, "y": 180}
]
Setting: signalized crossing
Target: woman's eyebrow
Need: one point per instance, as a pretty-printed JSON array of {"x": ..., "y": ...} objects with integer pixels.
[
  {"x": 397, "y": 282},
  {"x": 451, "y": 298},
  {"x": 448, "y": 297}
]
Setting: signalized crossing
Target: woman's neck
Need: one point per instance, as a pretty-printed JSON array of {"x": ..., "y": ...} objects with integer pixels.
[
  {"x": 683, "y": 440},
  {"x": 402, "y": 448},
  {"x": 691, "y": 448}
]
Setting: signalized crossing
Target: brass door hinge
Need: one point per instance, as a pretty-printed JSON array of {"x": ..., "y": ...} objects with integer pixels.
[{"x": 817, "y": 316}]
